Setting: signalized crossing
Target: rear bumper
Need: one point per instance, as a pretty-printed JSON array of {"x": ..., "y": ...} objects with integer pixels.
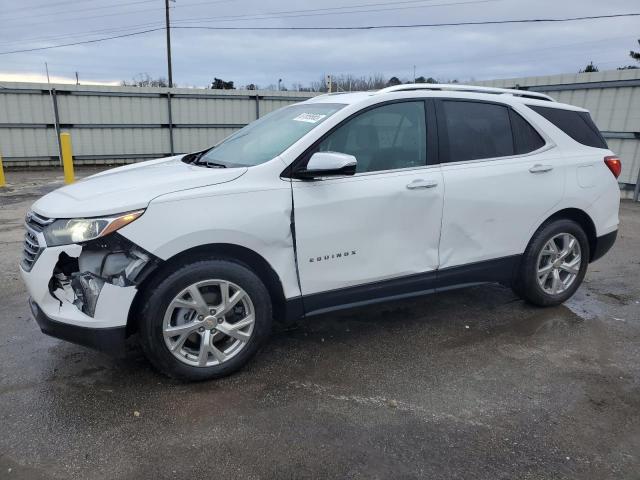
[
  {"x": 603, "y": 245},
  {"x": 108, "y": 340}
]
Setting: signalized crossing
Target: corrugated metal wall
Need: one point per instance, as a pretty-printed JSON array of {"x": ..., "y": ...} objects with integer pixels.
[
  {"x": 612, "y": 96},
  {"x": 123, "y": 124}
]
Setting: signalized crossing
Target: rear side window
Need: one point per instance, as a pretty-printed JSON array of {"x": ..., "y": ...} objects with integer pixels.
[
  {"x": 477, "y": 130},
  {"x": 525, "y": 137},
  {"x": 578, "y": 125}
]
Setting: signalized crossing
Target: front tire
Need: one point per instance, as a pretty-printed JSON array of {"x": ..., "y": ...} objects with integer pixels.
[
  {"x": 205, "y": 320},
  {"x": 554, "y": 263}
]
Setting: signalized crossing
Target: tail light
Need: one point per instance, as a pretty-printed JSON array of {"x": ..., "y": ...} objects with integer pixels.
[{"x": 614, "y": 165}]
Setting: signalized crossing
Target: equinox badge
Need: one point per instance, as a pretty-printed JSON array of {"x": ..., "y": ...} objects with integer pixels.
[{"x": 332, "y": 256}]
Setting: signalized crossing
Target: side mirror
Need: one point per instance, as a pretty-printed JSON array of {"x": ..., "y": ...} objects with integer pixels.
[{"x": 328, "y": 164}]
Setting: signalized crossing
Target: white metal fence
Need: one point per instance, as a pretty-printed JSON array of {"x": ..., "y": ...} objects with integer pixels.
[
  {"x": 122, "y": 124},
  {"x": 127, "y": 124}
]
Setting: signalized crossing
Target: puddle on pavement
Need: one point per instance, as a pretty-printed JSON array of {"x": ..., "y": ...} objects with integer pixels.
[
  {"x": 545, "y": 320},
  {"x": 586, "y": 306},
  {"x": 532, "y": 322},
  {"x": 12, "y": 199}
]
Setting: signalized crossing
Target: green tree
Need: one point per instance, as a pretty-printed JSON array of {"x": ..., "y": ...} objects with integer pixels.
[
  {"x": 220, "y": 84},
  {"x": 589, "y": 68},
  {"x": 394, "y": 81},
  {"x": 635, "y": 55}
]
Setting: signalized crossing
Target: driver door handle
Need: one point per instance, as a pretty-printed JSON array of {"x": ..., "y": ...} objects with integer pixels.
[
  {"x": 420, "y": 183},
  {"x": 539, "y": 168}
]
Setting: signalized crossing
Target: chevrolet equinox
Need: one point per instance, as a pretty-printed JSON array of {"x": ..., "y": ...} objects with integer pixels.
[{"x": 339, "y": 201}]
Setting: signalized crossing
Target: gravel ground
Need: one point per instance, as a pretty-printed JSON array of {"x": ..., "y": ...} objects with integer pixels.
[{"x": 471, "y": 383}]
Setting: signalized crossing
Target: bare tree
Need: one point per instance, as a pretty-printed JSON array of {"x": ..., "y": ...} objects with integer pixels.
[
  {"x": 350, "y": 83},
  {"x": 145, "y": 80}
]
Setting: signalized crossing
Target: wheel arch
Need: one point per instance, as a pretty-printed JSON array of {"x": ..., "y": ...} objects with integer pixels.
[
  {"x": 249, "y": 258},
  {"x": 583, "y": 219}
]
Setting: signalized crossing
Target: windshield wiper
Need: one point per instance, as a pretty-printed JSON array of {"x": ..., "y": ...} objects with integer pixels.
[{"x": 209, "y": 164}]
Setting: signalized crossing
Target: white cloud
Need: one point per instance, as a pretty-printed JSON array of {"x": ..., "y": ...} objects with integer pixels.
[{"x": 42, "y": 78}]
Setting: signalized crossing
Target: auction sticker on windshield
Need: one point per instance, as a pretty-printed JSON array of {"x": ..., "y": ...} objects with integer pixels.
[{"x": 309, "y": 117}]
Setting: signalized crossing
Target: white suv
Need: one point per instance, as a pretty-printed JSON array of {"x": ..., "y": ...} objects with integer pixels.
[{"x": 338, "y": 201}]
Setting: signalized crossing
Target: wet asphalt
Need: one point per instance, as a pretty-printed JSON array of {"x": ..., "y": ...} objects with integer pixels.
[{"x": 472, "y": 383}]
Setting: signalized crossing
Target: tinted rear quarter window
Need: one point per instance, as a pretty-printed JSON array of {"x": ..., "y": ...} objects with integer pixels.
[
  {"x": 525, "y": 137},
  {"x": 578, "y": 125}
]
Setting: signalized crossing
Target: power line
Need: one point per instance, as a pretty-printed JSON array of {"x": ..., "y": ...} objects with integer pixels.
[
  {"x": 330, "y": 10},
  {"x": 44, "y": 5},
  {"x": 321, "y": 14},
  {"x": 84, "y": 42},
  {"x": 536, "y": 50},
  {"x": 102, "y": 7},
  {"x": 364, "y": 27},
  {"x": 269, "y": 15},
  {"x": 77, "y": 19},
  {"x": 240, "y": 17},
  {"x": 104, "y": 31},
  {"x": 86, "y": 33},
  {"x": 119, "y": 5},
  {"x": 423, "y": 25},
  {"x": 90, "y": 68}
]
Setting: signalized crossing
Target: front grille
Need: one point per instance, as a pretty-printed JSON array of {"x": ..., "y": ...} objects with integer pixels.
[{"x": 33, "y": 246}]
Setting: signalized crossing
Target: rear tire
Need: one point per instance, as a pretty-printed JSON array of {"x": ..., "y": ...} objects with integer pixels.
[
  {"x": 205, "y": 320},
  {"x": 554, "y": 263}
]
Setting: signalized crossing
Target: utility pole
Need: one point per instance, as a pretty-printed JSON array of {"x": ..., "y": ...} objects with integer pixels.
[
  {"x": 56, "y": 117},
  {"x": 414, "y": 74},
  {"x": 168, "y": 29}
]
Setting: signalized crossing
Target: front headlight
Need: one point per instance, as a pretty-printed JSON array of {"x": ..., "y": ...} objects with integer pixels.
[{"x": 78, "y": 230}]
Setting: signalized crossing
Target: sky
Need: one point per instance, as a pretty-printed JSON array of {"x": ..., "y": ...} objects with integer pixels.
[{"x": 465, "y": 53}]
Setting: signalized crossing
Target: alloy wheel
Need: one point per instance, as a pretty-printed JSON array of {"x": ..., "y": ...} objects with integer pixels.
[
  {"x": 208, "y": 323},
  {"x": 559, "y": 263}
]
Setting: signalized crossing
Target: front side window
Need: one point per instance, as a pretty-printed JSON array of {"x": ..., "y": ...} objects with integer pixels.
[
  {"x": 477, "y": 130},
  {"x": 268, "y": 137},
  {"x": 388, "y": 137}
]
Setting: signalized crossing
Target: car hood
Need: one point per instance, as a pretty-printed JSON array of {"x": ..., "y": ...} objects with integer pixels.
[{"x": 130, "y": 187}]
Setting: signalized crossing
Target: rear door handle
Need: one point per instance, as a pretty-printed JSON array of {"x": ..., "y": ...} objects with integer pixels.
[
  {"x": 539, "y": 168},
  {"x": 420, "y": 183}
]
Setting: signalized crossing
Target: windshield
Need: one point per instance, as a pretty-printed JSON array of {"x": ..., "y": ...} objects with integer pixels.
[{"x": 269, "y": 136}]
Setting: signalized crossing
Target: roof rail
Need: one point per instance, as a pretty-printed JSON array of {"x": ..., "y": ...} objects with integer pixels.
[{"x": 455, "y": 87}]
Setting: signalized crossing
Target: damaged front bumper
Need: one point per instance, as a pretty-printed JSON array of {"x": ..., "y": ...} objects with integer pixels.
[
  {"x": 110, "y": 340},
  {"x": 83, "y": 293}
]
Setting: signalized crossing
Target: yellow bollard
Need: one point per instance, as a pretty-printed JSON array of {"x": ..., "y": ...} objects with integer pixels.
[
  {"x": 2, "y": 179},
  {"x": 67, "y": 157}
]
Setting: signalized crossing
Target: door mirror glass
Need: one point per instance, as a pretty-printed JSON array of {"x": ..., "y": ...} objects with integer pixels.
[{"x": 328, "y": 164}]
